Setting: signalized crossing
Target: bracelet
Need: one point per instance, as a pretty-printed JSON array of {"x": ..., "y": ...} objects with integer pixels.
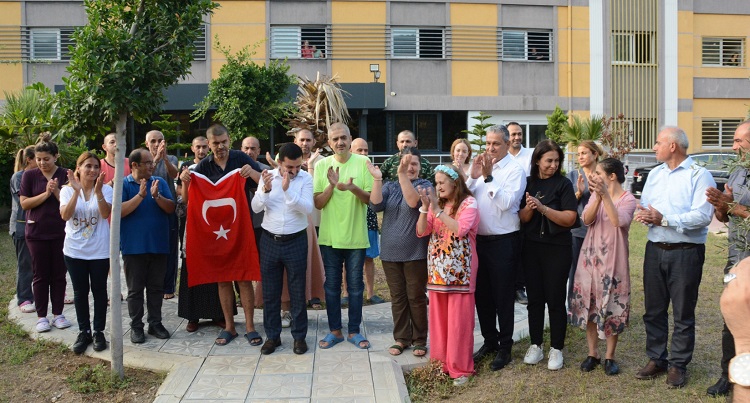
[
  {"x": 544, "y": 212},
  {"x": 438, "y": 214},
  {"x": 142, "y": 197},
  {"x": 422, "y": 211},
  {"x": 102, "y": 199}
]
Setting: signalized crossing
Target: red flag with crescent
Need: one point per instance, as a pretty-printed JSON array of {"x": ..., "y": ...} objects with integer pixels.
[{"x": 220, "y": 242}]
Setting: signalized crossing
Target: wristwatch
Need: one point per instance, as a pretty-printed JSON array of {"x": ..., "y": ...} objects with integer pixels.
[
  {"x": 739, "y": 369},
  {"x": 488, "y": 179},
  {"x": 664, "y": 222}
]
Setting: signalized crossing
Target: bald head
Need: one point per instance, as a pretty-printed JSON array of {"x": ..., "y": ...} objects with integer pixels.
[
  {"x": 110, "y": 145},
  {"x": 741, "y": 141},
  {"x": 359, "y": 146},
  {"x": 304, "y": 139},
  {"x": 251, "y": 147},
  {"x": 153, "y": 139}
]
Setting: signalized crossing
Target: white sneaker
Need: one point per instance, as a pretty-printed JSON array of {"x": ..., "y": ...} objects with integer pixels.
[
  {"x": 286, "y": 319},
  {"x": 533, "y": 355},
  {"x": 555, "y": 360},
  {"x": 461, "y": 380},
  {"x": 60, "y": 322},
  {"x": 42, "y": 325},
  {"x": 27, "y": 307}
]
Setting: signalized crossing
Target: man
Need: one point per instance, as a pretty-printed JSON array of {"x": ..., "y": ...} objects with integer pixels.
[
  {"x": 405, "y": 139},
  {"x": 144, "y": 231},
  {"x": 359, "y": 146},
  {"x": 199, "y": 147},
  {"x": 342, "y": 187},
  {"x": 286, "y": 196},
  {"x": 222, "y": 161},
  {"x": 107, "y": 163},
  {"x": 498, "y": 183},
  {"x": 522, "y": 155},
  {"x": 675, "y": 208},
  {"x": 251, "y": 147},
  {"x": 166, "y": 167},
  {"x": 732, "y": 207},
  {"x": 305, "y": 140}
]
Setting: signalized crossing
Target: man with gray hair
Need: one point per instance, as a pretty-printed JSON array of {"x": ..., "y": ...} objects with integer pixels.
[
  {"x": 497, "y": 182},
  {"x": 674, "y": 207}
]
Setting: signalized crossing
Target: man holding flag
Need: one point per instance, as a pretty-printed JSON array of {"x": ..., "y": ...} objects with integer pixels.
[{"x": 220, "y": 247}]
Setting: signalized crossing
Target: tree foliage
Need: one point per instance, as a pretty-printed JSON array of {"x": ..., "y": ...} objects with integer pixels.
[
  {"x": 556, "y": 122},
  {"x": 319, "y": 104},
  {"x": 248, "y": 97},
  {"x": 478, "y": 132},
  {"x": 579, "y": 129}
]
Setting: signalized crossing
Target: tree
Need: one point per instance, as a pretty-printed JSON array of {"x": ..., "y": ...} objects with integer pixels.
[
  {"x": 617, "y": 136},
  {"x": 127, "y": 54},
  {"x": 248, "y": 97},
  {"x": 478, "y": 131},
  {"x": 556, "y": 122},
  {"x": 582, "y": 129}
]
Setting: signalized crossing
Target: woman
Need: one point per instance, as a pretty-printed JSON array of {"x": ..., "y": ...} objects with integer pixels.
[
  {"x": 600, "y": 302},
  {"x": 588, "y": 154},
  {"x": 85, "y": 204},
  {"x": 307, "y": 50},
  {"x": 461, "y": 154},
  {"x": 451, "y": 218},
  {"x": 405, "y": 268},
  {"x": 547, "y": 213},
  {"x": 45, "y": 232},
  {"x": 24, "y": 296}
]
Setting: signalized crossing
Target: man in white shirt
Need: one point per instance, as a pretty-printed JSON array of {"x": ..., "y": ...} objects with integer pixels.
[
  {"x": 286, "y": 196},
  {"x": 498, "y": 183},
  {"x": 522, "y": 155}
]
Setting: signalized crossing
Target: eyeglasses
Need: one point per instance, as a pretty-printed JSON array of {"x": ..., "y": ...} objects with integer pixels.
[{"x": 147, "y": 163}]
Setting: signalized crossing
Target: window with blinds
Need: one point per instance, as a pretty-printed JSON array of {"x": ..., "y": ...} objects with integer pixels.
[
  {"x": 417, "y": 43},
  {"x": 47, "y": 44},
  {"x": 723, "y": 52},
  {"x": 295, "y": 42},
  {"x": 526, "y": 45},
  {"x": 201, "y": 44},
  {"x": 718, "y": 133}
]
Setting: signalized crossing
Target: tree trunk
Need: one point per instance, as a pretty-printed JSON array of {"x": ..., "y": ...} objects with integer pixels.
[{"x": 114, "y": 251}]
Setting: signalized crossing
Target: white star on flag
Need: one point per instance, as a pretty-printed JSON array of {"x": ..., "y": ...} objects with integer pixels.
[{"x": 221, "y": 233}]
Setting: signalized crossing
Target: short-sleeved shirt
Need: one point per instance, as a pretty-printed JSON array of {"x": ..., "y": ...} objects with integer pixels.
[
  {"x": 86, "y": 233},
  {"x": 43, "y": 222},
  {"x": 109, "y": 170},
  {"x": 160, "y": 170},
  {"x": 146, "y": 229},
  {"x": 399, "y": 223},
  {"x": 17, "y": 225},
  {"x": 555, "y": 192},
  {"x": 235, "y": 160},
  {"x": 343, "y": 222}
]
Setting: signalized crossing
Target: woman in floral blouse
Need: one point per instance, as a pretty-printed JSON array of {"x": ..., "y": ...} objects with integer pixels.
[{"x": 451, "y": 218}]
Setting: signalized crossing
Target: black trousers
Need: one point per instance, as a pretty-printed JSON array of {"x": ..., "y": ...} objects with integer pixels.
[
  {"x": 145, "y": 271},
  {"x": 671, "y": 275},
  {"x": 727, "y": 340},
  {"x": 89, "y": 275},
  {"x": 547, "y": 268},
  {"x": 495, "y": 293}
]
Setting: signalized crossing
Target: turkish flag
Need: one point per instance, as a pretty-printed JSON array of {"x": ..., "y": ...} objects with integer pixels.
[{"x": 220, "y": 242}]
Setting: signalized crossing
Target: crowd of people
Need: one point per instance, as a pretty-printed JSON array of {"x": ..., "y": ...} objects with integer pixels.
[{"x": 475, "y": 235}]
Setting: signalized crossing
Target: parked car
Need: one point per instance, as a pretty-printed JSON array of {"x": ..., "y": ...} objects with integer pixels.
[{"x": 716, "y": 163}]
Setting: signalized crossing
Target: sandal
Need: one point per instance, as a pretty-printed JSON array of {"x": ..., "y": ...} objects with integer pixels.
[
  {"x": 170, "y": 296},
  {"x": 226, "y": 338},
  {"x": 330, "y": 341},
  {"x": 357, "y": 340},
  {"x": 254, "y": 338},
  {"x": 398, "y": 347},
  {"x": 315, "y": 304},
  {"x": 419, "y": 351},
  {"x": 68, "y": 300}
]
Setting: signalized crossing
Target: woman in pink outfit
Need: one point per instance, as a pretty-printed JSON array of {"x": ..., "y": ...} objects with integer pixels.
[
  {"x": 451, "y": 218},
  {"x": 600, "y": 302}
]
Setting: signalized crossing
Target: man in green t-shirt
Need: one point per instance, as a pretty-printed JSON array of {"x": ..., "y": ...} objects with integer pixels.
[{"x": 342, "y": 187}]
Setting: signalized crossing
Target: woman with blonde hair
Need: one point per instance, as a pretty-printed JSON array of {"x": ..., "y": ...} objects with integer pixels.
[
  {"x": 461, "y": 154},
  {"x": 17, "y": 228}
]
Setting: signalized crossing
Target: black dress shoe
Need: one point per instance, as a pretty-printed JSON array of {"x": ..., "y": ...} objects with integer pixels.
[
  {"x": 137, "y": 336},
  {"x": 521, "y": 297},
  {"x": 590, "y": 363},
  {"x": 611, "y": 367},
  {"x": 720, "y": 388},
  {"x": 157, "y": 330},
  {"x": 651, "y": 370},
  {"x": 486, "y": 349},
  {"x": 270, "y": 346},
  {"x": 676, "y": 377},
  {"x": 501, "y": 360},
  {"x": 82, "y": 342},
  {"x": 300, "y": 346},
  {"x": 100, "y": 343}
]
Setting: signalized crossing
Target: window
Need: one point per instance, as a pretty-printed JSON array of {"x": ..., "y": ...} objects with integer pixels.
[
  {"x": 298, "y": 42},
  {"x": 45, "y": 44},
  {"x": 526, "y": 45},
  {"x": 200, "y": 44},
  {"x": 633, "y": 48},
  {"x": 723, "y": 52},
  {"x": 417, "y": 43},
  {"x": 718, "y": 133}
]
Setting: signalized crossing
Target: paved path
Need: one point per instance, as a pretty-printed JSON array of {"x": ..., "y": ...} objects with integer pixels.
[{"x": 201, "y": 371}]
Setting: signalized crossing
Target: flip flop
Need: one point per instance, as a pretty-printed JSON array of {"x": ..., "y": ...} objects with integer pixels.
[
  {"x": 422, "y": 350},
  {"x": 358, "y": 338},
  {"x": 396, "y": 347},
  {"x": 315, "y": 304},
  {"x": 226, "y": 336},
  {"x": 250, "y": 336},
  {"x": 168, "y": 296},
  {"x": 330, "y": 341}
]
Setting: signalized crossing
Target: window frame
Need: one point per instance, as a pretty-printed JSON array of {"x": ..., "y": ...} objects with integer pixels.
[
  {"x": 721, "y": 57},
  {"x": 633, "y": 51},
  {"x": 33, "y": 32},
  {"x": 420, "y": 49},
  {"x": 286, "y": 41},
  {"x": 506, "y": 55},
  {"x": 724, "y": 132}
]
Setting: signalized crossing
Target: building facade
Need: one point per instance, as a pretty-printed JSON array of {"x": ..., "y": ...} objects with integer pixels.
[{"x": 429, "y": 66}]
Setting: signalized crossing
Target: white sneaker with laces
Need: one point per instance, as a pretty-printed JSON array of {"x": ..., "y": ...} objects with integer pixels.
[
  {"x": 533, "y": 355},
  {"x": 555, "y": 360},
  {"x": 60, "y": 322},
  {"x": 286, "y": 319},
  {"x": 42, "y": 325}
]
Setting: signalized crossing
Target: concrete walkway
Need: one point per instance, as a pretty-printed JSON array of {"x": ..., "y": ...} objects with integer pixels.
[{"x": 198, "y": 370}]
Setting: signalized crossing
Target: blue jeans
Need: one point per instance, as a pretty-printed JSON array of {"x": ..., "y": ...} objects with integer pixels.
[{"x": 354, "y": 260}]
